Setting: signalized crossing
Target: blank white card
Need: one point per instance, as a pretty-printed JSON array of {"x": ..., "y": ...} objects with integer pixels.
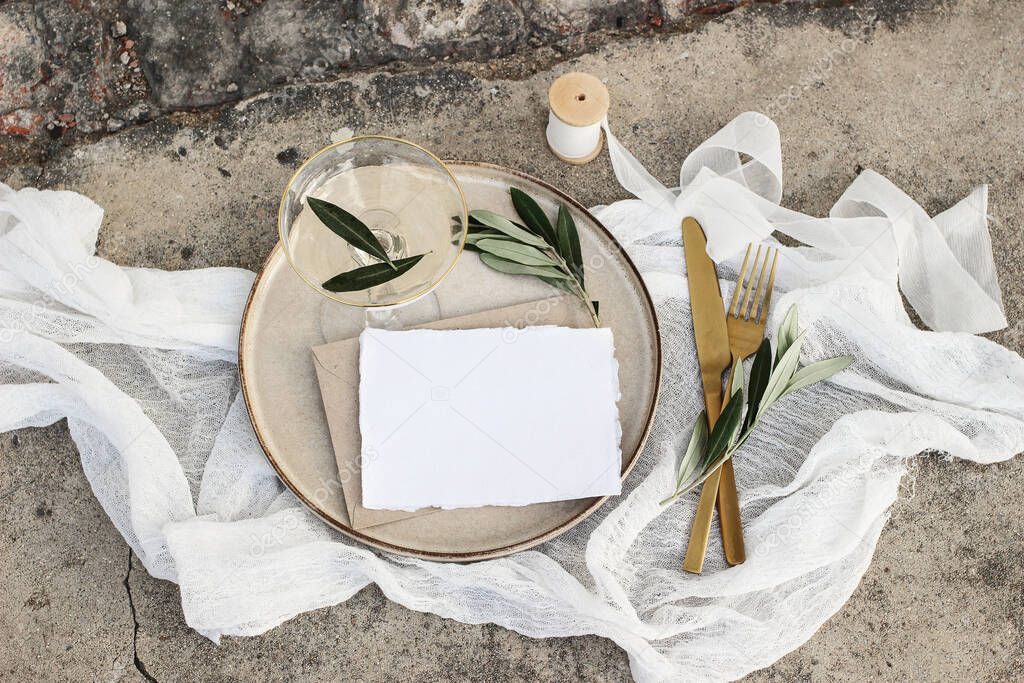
[{"x": 500, "y": 416}]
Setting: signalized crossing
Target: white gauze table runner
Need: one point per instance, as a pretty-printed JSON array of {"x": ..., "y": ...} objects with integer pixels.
[{"x": 141, "y": 362}]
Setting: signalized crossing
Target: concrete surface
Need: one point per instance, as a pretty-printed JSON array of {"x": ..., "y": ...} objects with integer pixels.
[
  {"x": 77, "y": 68},
  {"x": 929, "y": 94}
]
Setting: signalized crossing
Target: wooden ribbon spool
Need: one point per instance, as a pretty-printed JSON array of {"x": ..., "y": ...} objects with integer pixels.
[{"x": 578, "y": 105}]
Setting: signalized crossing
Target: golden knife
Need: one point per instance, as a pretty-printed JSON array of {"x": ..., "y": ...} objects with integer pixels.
[{"x": 712, "y": 340}]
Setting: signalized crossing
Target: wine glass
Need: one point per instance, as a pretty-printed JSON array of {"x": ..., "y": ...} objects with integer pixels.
[{"x": 405, "y": 195}]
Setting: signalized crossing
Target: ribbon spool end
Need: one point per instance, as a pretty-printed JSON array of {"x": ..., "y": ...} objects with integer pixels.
[
  {"x": 579, "y": 161},
  {"x": 578, "y": 105}
]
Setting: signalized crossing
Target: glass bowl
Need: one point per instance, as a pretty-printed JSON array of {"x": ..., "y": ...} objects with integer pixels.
[{"x": 403, "y": 193}]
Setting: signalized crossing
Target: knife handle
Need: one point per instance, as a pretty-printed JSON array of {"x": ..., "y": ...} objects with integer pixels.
[
  {"x": 713, "y": 400},
  {"x": 697, "y": 547},
  {"x": 729, "y": 517},
  {"x": 732, "y": 531},
  {"x": 700, "y": 532},
  {"x": 729, "y": 502}
]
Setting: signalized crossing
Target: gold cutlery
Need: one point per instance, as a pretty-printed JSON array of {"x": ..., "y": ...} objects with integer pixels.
[
  {"x": 711, "y": 337},
  {"x": 747, "y": 316}
]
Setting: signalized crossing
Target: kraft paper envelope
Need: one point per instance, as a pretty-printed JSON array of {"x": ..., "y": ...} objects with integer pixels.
[{"x": 337, "y": 369}]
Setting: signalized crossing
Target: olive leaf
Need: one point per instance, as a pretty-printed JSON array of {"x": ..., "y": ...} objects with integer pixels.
[
  {"x": 816, "y": 372},
  {"x": 474, "y": 237},
  {"x": 475, "y": 225},
  {"x": 724, "y": 432},
  {"x": 736, "y": 381},
  {"x": 486, "y": 233},
  {"x": 533, "y": 216},
  {"x": 694, "y": 450},
  {"x": 760, "y": 372},
  {"x": 561, "y": 284},
  {"x": 371, "y": 275},
  {"x": 781, "y": 375},
  {"x": 569, "y": 242},
  {"x": 552, "y": 254},
  {"x": 349, "y": 228},
  {"x": 513, "y": 251},
  {"x": 787, "y": 333},
  {"x": 513, "y": 268},
  {"x": 504, "y": 225}
]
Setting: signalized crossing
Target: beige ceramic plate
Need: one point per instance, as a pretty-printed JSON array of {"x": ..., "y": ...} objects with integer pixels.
[{"x": 284, "y": 318}]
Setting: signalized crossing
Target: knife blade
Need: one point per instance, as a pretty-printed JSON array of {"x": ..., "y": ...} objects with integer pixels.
[{"x": 712, "y": 340}]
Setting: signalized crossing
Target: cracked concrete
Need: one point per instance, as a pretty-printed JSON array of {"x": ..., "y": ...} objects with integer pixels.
[
  {"x": 139, "y": 665},
  {"x": 930, "y": 95},
  {"x": 63, "y": 613}
]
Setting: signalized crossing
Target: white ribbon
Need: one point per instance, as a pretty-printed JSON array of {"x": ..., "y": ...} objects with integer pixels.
[{"x": 732, "y": 184}]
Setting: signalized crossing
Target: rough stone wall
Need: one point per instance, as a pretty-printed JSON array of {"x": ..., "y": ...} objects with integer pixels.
[{"x": 73, "y": 68}]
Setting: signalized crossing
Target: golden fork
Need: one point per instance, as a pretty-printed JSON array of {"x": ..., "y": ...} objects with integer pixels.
[{"x": 745, "y": 321}]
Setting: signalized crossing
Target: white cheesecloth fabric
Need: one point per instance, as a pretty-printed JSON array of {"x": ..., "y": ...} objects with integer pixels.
[{"x": 142, "y": 364}]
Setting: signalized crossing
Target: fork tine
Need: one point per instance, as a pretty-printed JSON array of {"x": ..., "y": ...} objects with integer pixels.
[
  {"x": 742, "y": 312},
  {"x": 768, "y": 291},
  {"x": 733, "y": 310},
  {"x": 756, "y": 299}
]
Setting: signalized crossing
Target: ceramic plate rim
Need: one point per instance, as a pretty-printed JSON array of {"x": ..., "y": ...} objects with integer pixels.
[{"x": 489, "y": 553}]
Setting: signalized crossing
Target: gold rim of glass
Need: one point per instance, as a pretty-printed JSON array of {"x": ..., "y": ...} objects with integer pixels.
[{"x": 323, "y": 292}]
